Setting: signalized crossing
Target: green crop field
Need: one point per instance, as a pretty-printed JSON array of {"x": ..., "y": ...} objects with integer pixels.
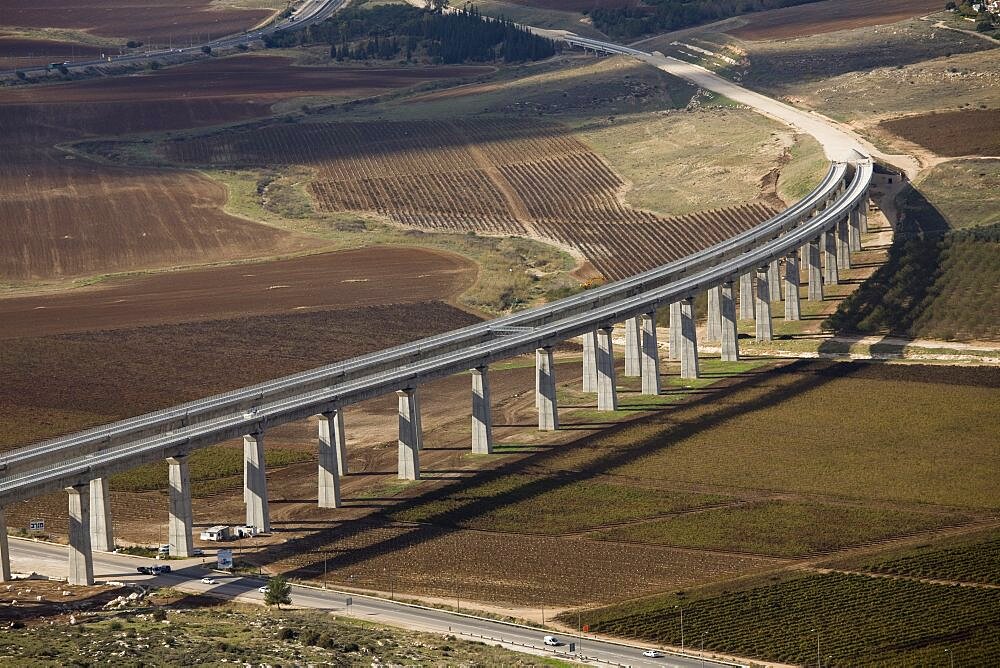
[
  {"x": 549, "y": 504},
  {"x": 857, "y": 620},
  {"x": 779, "y": 528},
  {"x": 864, "y": 431},
  {"x": 972, "y": 562},
  {"x": 211, "y": 469}
]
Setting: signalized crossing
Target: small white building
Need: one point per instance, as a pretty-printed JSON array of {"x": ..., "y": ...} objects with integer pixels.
[{"x": 216, "y": 533}]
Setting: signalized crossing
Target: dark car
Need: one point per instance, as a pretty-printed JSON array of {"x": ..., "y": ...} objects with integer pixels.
[
  {"x": 160, "y": 569},
  {"x": 145, "y": 570}
]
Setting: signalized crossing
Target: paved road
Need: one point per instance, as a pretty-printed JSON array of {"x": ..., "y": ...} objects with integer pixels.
[{"x": 50, "y": 559}]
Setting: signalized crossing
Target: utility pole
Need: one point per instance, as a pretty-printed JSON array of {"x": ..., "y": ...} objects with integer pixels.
[{"x": 681, "y": 608}]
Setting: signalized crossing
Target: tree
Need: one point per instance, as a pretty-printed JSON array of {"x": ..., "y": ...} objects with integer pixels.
[
  {"x": 278, "y": 592},
  {"x": 950, "y": 6}
]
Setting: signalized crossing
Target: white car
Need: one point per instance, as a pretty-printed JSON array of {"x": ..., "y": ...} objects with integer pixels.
[
  {"x": 551, "y": 641},
  {"x": 262, "y": 590},
  {"x": 653, "y": 654},
  {"x": 208, "y": 581}
]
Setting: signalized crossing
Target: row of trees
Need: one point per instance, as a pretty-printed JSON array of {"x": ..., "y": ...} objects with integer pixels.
[
  {"x": 392, "y": 31},
  {"x": 660, "y": 15}
]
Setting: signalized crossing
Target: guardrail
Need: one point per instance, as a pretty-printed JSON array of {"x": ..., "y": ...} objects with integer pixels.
[{"x": 114, "y": 459}]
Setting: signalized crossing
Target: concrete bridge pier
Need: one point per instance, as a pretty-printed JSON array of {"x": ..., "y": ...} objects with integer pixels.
[
  {"x": 815, "y": 292},
  {"x": 607, "y": 396},
  {"x": 482, "y": 414},
  {"x": 674, "y": 351},
  {"x": 4, "y": 549},
  {"x": 650, "y": 354},
  {"x": 714, "y": 329},
  {"x": 102, "y": 536},
  {"x": 764, "y": 327},
  {"x": 589, "y": 363},
  {"x": 689, "y": 340},
  {"x": 792, "y": 311},
  {"x": 633, "y": 345},
  {"x": 545, "y": 375},
  {"x": 830, "y": 274},
  {"x": 258, "y": 513},
  {"x": 855, "y": 229},
  {"x": 730, "y": 334},
  {"x": 746, "y": 296},
  {"x": 180, "y": 525},
  {"x": 843, "y": 244},
  {"x": 410, "y": 434},
  {"x": 774, "y": 280},
  {"x": 81, "y": 556},
  {"x": 863, "y": 216},
  {"x": 328, "y": 486}
]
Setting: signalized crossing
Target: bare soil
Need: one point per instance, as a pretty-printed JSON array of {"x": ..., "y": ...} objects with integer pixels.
[
  {"x": 829, "y": 16},
  {"x": 145, "y": 20},
  {"x": 952, "y": 133},
  {"x": 21, "y": 52},
  {"x": 341, "y": 280}
]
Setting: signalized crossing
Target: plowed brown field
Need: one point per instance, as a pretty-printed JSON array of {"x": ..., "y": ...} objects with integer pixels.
[
  {"x": 145, "y": 20},
  {"x": 494, "y": 177},
  {"x": 829, "y": 16},
  {"x": 18, "y": 52},
  {"x": 952, "y": 133},
  {"x": 69, "y": 217}
]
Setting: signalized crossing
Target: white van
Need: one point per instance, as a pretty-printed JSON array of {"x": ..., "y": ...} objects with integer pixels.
[{"x": 551, "y": 641}]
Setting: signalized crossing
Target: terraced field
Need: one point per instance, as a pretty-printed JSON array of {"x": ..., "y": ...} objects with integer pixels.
[{"x": 499, "y": 177}]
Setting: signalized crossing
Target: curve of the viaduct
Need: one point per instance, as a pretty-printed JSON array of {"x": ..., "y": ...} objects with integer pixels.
[{"x": 761, "y": 266}]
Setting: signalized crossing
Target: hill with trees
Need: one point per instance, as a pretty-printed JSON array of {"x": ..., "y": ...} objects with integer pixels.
[{"x": 397, "y": 31}]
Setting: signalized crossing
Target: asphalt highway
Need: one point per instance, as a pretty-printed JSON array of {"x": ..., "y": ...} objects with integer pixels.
[{"x": 186, "y": 574}]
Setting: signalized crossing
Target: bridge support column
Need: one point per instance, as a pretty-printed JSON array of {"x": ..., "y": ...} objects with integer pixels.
[
  {"x": 258, "y": 513},
  {"x": 764, "y": 328},
  {"x": 792, "y": 311},
  {"x": 81, "y": 556},
  {"x": 180, "y": 524},
  {"x": 328, "y": 469},
  {"x": 714, "y": 328},
  {"x": 674, "y": 351},
  {"x": 482, "y": 414},
  {"x": 774, "y": 280},
  {"x": 607, "y": 396},
  {"x": 863, "y": 216},
  {"x": 855, "y": 228},
  {"x": 730, "y": 335},
  {"x": 589, "y": 363},
  {"x": 545, "y": 374},
  {"x": 746, "y": 296},
  {"x": 689, "y": 340},
  {"x": 4, "y": 549},
  {"x": 102, "y": 538},
  {"x": 843, "y": 244},
  {"x": 410, "y": 435},
  {"x": 633, "y": 345},
  {"x": 650, "y": 354},
  {"x": 830, "y": 274},
  {"x": 815, "y": 293}
]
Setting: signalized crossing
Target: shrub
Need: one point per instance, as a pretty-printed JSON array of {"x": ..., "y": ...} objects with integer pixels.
[
  {"x": 310, "y": 637},
  {"x": 159, "y": 615},
  {"x": 285, "y": 633}
]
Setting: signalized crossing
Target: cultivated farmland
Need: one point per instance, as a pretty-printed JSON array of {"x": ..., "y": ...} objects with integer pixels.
[
  {"x": 953, "y": 133},
  {"x": 970, "y": 561},
  {"x": 857, "y": 620},
  {"x": 74, "y": 218},
  {"x": 493, "y": 177},
  {"x": 829, "y": 16},
  {"x": 152, "y": 21}
]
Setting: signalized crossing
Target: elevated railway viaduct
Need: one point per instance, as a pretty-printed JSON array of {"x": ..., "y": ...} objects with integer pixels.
[{"x": 814, "y": 237}]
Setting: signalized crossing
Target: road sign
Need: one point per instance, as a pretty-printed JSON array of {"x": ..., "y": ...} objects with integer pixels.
[
  {"x": 224, "y": 559},
  {"x": 349, "y": 601},
  {"x": 586, "y": 628},
  {"x": 572, "y": 647},
  {"x": 36, "y": 525}
]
